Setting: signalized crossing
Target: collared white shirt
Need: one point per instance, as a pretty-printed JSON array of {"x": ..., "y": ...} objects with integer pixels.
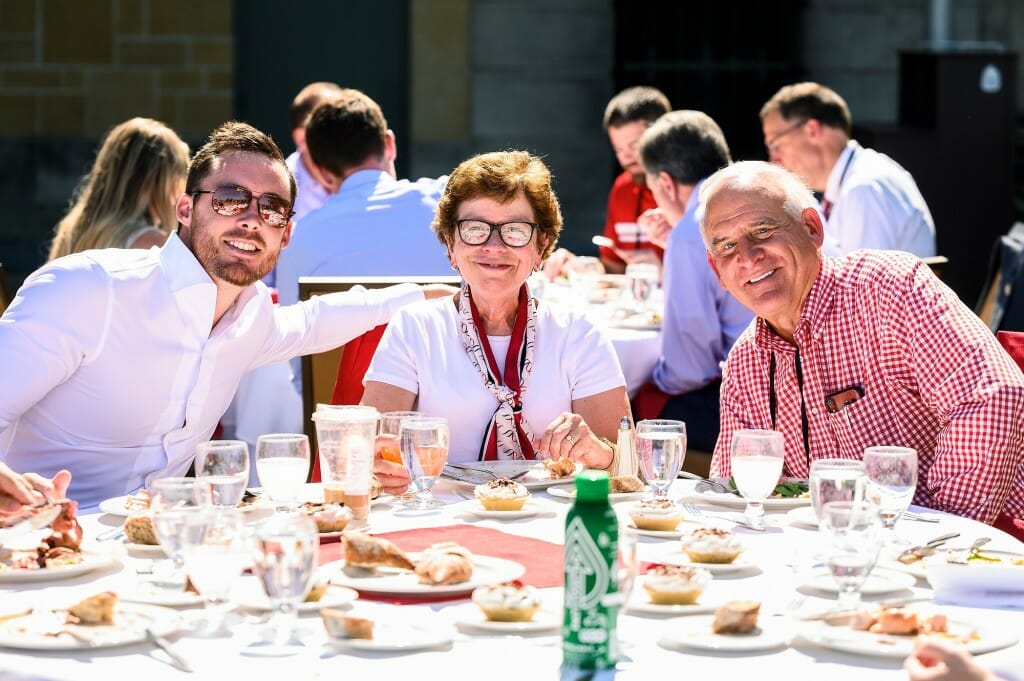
[
  {"x": 876, "y": 204},
  {"x": 109, "y": 367}
]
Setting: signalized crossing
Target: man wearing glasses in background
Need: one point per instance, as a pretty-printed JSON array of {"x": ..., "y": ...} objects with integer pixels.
[
  {"x": 115, "y": 364},
  {"x": 869, "y": 200}
]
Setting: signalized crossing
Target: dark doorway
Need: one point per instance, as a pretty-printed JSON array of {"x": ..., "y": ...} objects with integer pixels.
[
  {"x": 282, "y": 46},
  {"x": 723, "y": 58}
]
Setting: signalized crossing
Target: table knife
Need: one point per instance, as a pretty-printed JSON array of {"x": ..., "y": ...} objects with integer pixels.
[{"x": 163, "y": 644}]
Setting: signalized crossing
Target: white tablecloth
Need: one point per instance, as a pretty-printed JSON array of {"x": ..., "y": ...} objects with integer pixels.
[{"x": 471, "y": 656}]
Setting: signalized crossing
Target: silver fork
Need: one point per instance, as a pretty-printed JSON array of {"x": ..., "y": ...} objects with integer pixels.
[
  {"x": 911, "y": 515},
  {"x": 695, "y": 512}
]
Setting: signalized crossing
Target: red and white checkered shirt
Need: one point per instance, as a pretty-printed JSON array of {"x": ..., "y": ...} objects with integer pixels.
[{"x": 933, "y": 378}]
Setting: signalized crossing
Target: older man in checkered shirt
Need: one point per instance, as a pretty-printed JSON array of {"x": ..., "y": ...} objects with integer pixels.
[{"x": 867, "y": 349}]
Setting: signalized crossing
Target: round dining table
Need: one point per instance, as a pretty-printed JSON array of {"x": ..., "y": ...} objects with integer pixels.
[{"x": 772, "y": 569}]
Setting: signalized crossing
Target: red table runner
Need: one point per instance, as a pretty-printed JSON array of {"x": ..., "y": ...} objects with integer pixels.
[{"x": 543, "y": 560}]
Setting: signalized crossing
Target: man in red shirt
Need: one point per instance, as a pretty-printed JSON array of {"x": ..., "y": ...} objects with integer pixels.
[
  {"x": 862, "y": 350},
  {"x": 626, "y": 117}
]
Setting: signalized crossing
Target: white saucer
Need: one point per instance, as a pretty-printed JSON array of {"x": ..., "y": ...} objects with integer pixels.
[
  {"x": 397, "y": 638},
  {"x": 695, "y": 632},
  {"x": 880, "y": 581},
  {"x": 470, "y": 618},
  {"x": 532, "y": 507}
]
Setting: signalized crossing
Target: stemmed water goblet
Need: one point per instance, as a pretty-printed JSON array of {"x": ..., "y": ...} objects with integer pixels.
[
  {"x": 224, "y": 466},
  {"x": 282, "y": 464},
  {"x": 285, "y": 563},
  {"x": 215, "y": 551},
  {"x": 424, "y": 445},
  {"x": 853, "y": 534},
  {"x": 756, "y": 459},
  {"x": 660, "y": 450},
  {"x": 835, "y": 480},
  {"x": 643, "y": 279},
  {"x": 891, "y": 482},
  {"x": 173, "y": 504}
]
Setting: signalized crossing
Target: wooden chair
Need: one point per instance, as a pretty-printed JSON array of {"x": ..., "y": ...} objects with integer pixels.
[
  {"x": 320, "y": 371},
  {"x": 937, "y": 263},
  {"x": 5, "y": 291}
]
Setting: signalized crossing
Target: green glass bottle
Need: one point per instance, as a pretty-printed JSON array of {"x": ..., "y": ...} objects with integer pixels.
[{"x": 589, "y": 638}]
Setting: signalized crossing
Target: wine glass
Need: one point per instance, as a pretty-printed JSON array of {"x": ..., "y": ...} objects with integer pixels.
[
  {"x": 853, "y": 533},
  {"x": 643, "y": 279},
  {"x": 387, "y": 446},
  {"x": 224, "y": 466},
  {"x": 286, "y": 555},
  {"x": 282, "y": 464},
  {"x": 173, "y": 503},
  {"x": 756, "y": 460},
  {"x": 835, "y": 480},
  {"x": 424, "y": 445},
  {"x": 891, "y": 482},
  {"x": 215, "y": 550},
  {"x": 660, "y": 450},
  {"x": 583, "y": 271}
]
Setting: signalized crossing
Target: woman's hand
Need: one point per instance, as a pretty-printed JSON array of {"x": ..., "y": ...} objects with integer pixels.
[
  {"x": 394, "y": 479},
  {"x": 569, "y": 436},
  {"x": 17, "y": 491},
  {"x": 936, "y": 660},
  {"x": 554, "y": 266}
]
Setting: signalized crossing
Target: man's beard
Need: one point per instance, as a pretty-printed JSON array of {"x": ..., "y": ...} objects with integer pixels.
[{"x": 208, "y": 251}]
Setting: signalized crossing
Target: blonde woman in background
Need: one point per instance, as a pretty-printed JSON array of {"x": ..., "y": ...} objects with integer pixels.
[{"x": 127, "y": 200}]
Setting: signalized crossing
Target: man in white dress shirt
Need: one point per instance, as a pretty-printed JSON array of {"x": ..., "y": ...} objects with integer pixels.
[
  {"x": 115, "y": 364},
  {"x": 373, "y": 224},
  {"x": 869, "y": 200}
]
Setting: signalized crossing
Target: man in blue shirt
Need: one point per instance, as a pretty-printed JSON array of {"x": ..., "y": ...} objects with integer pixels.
[
  {"x": 373, "y": 224},
  {"x": 701, "y": 320}
]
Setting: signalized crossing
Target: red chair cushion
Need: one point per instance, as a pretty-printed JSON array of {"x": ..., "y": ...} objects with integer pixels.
[{"x": 1013, "y": 343}]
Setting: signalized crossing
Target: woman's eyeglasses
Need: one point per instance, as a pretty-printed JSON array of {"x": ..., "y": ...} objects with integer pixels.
[
  {"x": 230, "y": 200},
  {"x": 512, "y": 234}
]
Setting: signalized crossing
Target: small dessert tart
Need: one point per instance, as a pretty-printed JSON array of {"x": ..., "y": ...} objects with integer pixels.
[
  {"x": 675, "y": 584},
  {"x": 316, "y": 592},
  {"x": 138, "y": 527},
  {"x": 502, "y": 495},
  {"x": 328, "y": 517},
  {"x": 339, "y": 624},
  {"x": 98, "y": 609},
  {"x": 507, "y": 602},
  {"x": 662, "y": 515},
  {"x": 621, "y": 484},
  {"x": 712, "y": 545}
]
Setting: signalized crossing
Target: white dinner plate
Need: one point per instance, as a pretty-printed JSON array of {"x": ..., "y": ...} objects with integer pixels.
[
  {"x": 569, "y": 492},
  {"x": 471, "y": 618},
  {"x": 149, "y": 550},
  {"x": 90, "y": 561},
  {"x": 646, "y": 322},
  {"x": 531, "y": 508},
  {"x": 695, "y": 632},
  {"x": 35, "y": 631},
  {"x": 250, "y": 595},
  {"x": 976, "y": 638},
  {"x": 116, "y": 505},
  {"x": 802, "y": 515},
  {"x": 397, "y": 638},
  {"x": 384, "y": 580},
  {"x": 742, "y": 562},
  {"x": 152, "y": 593},
  {"x": 534, "y": 475},
  {"x": 880, "y": 581},
  {"x": 770, "y": 504},
  {"x": 639, "y": 601}
]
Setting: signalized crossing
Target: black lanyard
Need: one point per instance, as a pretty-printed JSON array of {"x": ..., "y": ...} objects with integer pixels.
[{"x": 773, "y": 403}]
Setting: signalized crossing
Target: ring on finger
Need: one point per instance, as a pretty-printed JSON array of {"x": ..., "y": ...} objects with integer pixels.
[{"x": 570, "y": 439}]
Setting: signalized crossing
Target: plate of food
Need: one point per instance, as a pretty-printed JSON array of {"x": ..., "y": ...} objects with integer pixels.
[
  {"x": 735, "y": 627},
  {"x": 880, "y": 581},
  {"x": 623, "y": 488},
  {"x": 533, "y": 475},
  {"x": 395, "y": 637},
  {"x": 138, "y": 503},
  {"x": 16, "y": 568},
  {"x": 671, "y": 590},
  {"x": 680, "y": 558},
  {"x": 532, "y": 507},
  {"x": 250, "y": 595},
  {"x": 99, "y": 621},
  {"x": 376, "y": 565},
  {"x": 893, "y": 632},
  {"x": 165, "y": 595},
  {"x": 645, "y": 321},
  {"x": 789, "y": 493},
  {"x": 469, "y": 617}
]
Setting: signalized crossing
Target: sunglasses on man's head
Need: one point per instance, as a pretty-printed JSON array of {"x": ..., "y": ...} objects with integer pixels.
[{"x": 230, "y": 200}]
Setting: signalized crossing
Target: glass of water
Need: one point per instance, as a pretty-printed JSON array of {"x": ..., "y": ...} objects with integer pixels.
[
  {"x": 643, "y": 279},
  {"x": 175, "y": 503},
  {"x": 756, "y": 459},
  {"x": 215, "y": 552},
  {"x": 424, "y": 445},
  {"x": 891, "y": 482},
  {"x": 853, "y": 533},
  {"x": 286, "y": 557},
  {"x": 835, "y": 480},
  {"x": 660, "y": 450},
  {"x": 224, "y": 466},
  {"x": 282, "y": 463}
]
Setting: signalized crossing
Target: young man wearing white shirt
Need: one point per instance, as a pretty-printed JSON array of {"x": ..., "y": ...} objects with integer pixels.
[
  {"x": 869, "y": 200},
  {"x": 115, "y": 364}
]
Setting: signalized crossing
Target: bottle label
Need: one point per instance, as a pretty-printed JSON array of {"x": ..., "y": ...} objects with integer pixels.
[{"x": 589, "y": 637}]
